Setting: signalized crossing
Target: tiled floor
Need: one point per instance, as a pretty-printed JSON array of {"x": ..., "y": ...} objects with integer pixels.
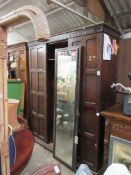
[{"x": 41, "y": 157}]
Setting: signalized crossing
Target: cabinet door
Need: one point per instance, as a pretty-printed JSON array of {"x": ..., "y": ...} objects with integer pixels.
[
  {"x": 38, "y": 96},
  {"x": 67, "y": 77},
  {"x": 90, "y": 103},
  {"x": 89, "y": 124}
]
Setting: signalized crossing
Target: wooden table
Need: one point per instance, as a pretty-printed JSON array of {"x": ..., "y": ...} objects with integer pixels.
[{"x": 116, "y": 124}]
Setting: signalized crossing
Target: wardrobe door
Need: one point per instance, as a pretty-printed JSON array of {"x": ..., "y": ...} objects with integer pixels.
[
  {"x": 67, "y": 77},
  {"x": 38, "y": 96},
  {"x": 89, "y": 124}
]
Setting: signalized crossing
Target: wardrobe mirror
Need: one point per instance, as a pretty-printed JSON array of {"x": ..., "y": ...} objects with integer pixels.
[{"x": 65, "y": 104}]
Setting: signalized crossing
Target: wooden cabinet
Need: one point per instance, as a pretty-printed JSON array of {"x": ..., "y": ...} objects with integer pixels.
[
  {"x": 116, "y": 124},
  {"x": 42, "y": 75},
  {"x": 96, "y": 77},
  {"x": 95, "y": 93},
  {"x": 20, "y": 52}
]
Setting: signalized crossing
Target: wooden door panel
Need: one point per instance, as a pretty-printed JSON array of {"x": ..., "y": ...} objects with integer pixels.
[
  {"x": 42, "y": 105},
  {"x": 91, "y": 54},
  {"x": 35, "y": 124},
  {"x": 88, "y": 119},
  {"x": 41, "y": 82},
  {"x": 90, "y": 88},
  {"x": 34, "y": 103},
  {"x": 42, "y": 128},
  {"x": 38, "y": 94},
  {"x": 34, "y": 81},
  {"x": 41, "y": 58},
  {"x": 33, "y": 58},
  {"x": 87, "y": 151}
]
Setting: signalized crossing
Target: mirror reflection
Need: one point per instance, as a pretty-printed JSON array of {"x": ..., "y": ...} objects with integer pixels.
[
  {"x": 13, "y": 66},
  {"x": 65, "y": 105}
]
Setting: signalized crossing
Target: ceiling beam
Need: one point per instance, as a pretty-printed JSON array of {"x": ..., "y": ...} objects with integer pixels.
[{"x": 71, "y": 10}]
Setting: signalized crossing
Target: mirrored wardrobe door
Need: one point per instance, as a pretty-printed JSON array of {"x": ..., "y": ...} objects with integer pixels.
[{"x": 67, "y": 73}]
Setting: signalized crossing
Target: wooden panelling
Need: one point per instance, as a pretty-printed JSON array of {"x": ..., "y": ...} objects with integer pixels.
[
  {"x": 90, "y": 156},
  {"x": 38, "y": 93},
  {"x": 42, "y": 79},
  {"x": 34, "y": 103},
  {"x": 90, "y": 88},
  {"x": 89, "y": 136},
  {"x": 42, "y": 104},
  {"x": 33, "y": 55},
  {"x": 34, "y": 82},
  {"x": 96, "y": 78},
  {"x": 91, "y": 54},
  {"x": 95, "y": 93},
  {"x": 42, "y": 129},
  {"x": 35, "y": 124},
  {"x": 87, "y": 122},
  {"x": 41, "y": 58}
]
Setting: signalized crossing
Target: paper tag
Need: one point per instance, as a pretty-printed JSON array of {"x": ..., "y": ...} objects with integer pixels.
[
  {"x": 56, "y": 169},
  {"x": 98, "y": 73},
  {"x": 107, "y": 47}
]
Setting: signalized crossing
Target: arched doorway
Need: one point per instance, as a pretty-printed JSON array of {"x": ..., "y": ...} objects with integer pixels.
[{"x": 42, "y": 33}]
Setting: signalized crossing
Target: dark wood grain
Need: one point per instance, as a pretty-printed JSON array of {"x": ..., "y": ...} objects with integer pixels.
[
  {"x": 96, "y": 95},
  {"x": 38, "y": 93},
  {"x": 95, "y": 92}
]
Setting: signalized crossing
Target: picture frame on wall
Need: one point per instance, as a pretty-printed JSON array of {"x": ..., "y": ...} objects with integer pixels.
[{"x": 120, "y": 151}]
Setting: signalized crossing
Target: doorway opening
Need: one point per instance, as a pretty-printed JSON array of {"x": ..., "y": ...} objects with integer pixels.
[{"x": 51, "y": 87}]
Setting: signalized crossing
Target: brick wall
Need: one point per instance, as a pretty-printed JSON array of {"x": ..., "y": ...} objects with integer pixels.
[{"x": 3, "y": 42}]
